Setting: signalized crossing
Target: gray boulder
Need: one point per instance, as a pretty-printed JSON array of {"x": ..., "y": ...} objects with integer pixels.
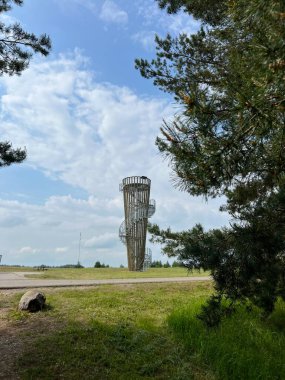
[{"x": 32, "y": 301}]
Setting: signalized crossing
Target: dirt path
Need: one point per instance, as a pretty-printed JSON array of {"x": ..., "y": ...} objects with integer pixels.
[
  {"x": 10, "y": 347},
  {"x": 16, "y": 336}
]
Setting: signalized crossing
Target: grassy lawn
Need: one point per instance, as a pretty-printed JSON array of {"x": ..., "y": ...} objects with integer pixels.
[
  {"x": 110, "y": 273},
  {"x": 9, "y": 268},
  {"x": 107, "y": 332},
  {"x": 146, "y": 331}
]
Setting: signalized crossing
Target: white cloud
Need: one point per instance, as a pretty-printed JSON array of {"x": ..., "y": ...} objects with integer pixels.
[
  {"x": 89, "y": 135},
  {"x": 80, "y": 131},
  {"x": 8, "y": 220},
  {"x": 61, "y": 249},
  {"x": 88, "y": 4},
  {"x": 145, "y": 38},
  {"x": 101, "y": 241},
  {"x": 28, "y": 250},
  {"x": 174, "y": 24},
  {"x": 50, "y": 233},
  {"x": 149, "y": 11},
  {"x": 111, "y": 12},
  {"x": 8, "y": 19},
  {"x": 181, "y": 23}
]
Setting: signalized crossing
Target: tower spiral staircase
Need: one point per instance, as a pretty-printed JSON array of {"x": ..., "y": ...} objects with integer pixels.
[{"x": 138, "y": 208}]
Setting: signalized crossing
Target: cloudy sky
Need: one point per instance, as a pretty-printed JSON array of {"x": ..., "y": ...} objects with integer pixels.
[{"x": 87, "y": 120}]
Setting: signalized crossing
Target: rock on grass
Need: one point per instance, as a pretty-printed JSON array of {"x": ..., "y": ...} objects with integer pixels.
[{"x": 32, "y": 301}]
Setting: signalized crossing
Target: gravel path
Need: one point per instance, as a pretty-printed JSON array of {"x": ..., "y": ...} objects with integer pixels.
[{"x": 17, "y": 280}]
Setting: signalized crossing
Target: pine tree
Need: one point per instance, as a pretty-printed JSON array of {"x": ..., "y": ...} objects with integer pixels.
[
  {"x": 229, "y": 139},
  {"x": 16, "y": 49}
]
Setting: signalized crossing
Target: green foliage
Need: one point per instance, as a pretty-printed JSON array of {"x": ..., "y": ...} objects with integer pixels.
[
  {"x": 6, "y": 5},
  {"x": 242, "y": 347},
  {"x": 247, "y": 261},
  {"x": 78, "y": 265},
  {"x": 99, "y": 265},
  {"x": 18, "y": 46},
  {"x": 156, "y": 264},
  {"x": 16, "y": 50},
  {"x": 209, "y": 11},
  {"x": 214, "y": 310},
  {"x": 228, "y": 139},
  {"x": 9, "y": 156},
  {"x": 229, "y": 82},
  {"x": 177, "y": 264}
]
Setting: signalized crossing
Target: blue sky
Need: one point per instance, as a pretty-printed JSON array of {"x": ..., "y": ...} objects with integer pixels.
[{"x": 88, "y": 119}]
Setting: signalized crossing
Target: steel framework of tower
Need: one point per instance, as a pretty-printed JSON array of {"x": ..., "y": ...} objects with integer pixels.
[
  {"x": 147, "y": 260},
  {"x": 138, "y": 208}
]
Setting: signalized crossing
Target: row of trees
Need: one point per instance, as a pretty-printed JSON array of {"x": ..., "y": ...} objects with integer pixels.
[
  {"x": 159, "y": 264},
  {"x": 228, "y": 139},
  {"x": 100, "y": 265}
]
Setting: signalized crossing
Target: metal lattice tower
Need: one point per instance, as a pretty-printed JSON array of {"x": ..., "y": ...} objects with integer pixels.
[
  {"x": 138, "y": 208},
  {"x": 147, "y": 259}
]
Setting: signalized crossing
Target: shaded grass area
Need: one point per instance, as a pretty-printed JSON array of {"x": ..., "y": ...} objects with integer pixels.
[
  {"x": 112, "y": 273},
  {"x": 110, "y": 333},
  {"x": 100, "y": 351},
  {"x": 243, "y": 347}
]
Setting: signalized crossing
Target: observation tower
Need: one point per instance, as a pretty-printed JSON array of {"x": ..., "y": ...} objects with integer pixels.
[{"x": 138, "y": 208}]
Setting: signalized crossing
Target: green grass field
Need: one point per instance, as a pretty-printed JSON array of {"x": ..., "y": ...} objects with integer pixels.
[
  {"x": 4, "y": 268},
  {"x": 107, "y": 332},
  {"x": 106, "y": 273},
  {"x": 146, "y": 331}
]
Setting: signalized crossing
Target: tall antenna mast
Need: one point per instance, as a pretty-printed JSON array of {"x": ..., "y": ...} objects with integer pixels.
[{"x": 79, "y": 247}]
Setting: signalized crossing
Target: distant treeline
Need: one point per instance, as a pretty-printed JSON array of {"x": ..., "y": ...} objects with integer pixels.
[
  {"x": 78, "y": 265},
  {"x": 98, "y": 264},
  {"x": 13, "y": 265},
  {"x": 42, "y": 266},
  {"x": 158, "y": 264}
]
